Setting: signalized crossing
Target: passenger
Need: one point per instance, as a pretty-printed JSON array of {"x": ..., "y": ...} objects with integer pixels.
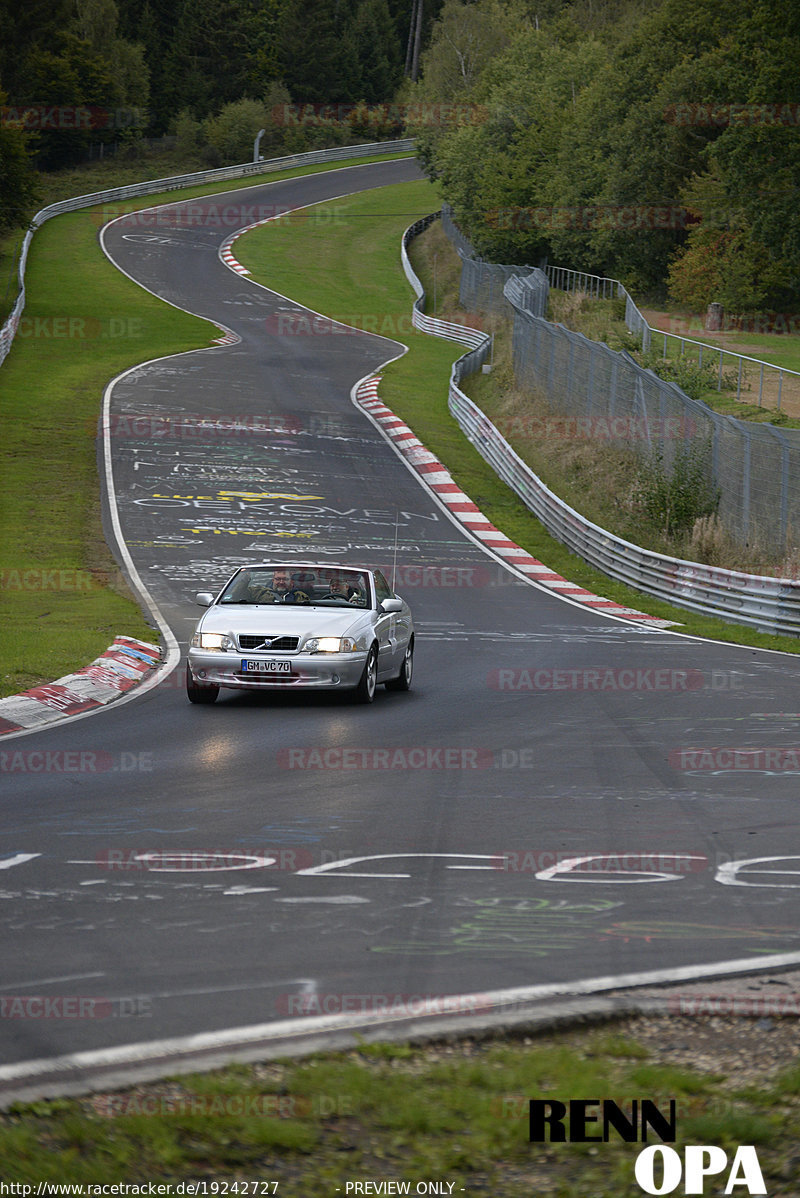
[
  {"x": 337, "y": 589},
  {"x": 346, "y": 590}
]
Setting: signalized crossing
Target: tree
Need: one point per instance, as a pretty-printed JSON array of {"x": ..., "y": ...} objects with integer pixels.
[
  {"x": 464, "y": 40},
  {"x": 378, "y": 51},
  {"x": 723, "y": 261},
  {"x": 324, "y": 69},
  {"x": 594, "y": 128},
  {"x": 18, "y": 185}
]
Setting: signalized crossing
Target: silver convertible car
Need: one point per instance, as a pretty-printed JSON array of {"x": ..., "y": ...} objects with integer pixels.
[{"x": 302, "y": 627}]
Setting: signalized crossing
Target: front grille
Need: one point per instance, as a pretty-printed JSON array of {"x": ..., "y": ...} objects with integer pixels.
[{"x": 281, "y": 644}]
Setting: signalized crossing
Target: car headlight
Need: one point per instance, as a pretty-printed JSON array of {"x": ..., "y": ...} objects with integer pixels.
[
  {"x": 330, "y": 644},
  {"x": 212, "y": 640}
]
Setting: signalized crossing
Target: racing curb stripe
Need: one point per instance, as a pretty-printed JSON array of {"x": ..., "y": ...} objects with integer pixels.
[
  {"x": 438, "y": 479},
  {"x": 123, "y": 665}
]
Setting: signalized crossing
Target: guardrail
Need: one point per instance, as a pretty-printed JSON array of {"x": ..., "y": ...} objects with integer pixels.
[
  {"x": 482, "y": 282},
  {"x": 431, "y": 324},
  {"x": 768, "y": 604},
  {"x": 175, "y": 183}
]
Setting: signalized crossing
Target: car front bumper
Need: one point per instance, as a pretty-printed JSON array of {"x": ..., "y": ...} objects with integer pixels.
[{"x": 309, "y": 671}]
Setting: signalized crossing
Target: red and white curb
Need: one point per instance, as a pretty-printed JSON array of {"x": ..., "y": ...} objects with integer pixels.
[
  {"x": 438, "y": 479},
  {"x": 226, "y": 253},
  {"x": 227, "y": 338},
  {"x": 228, "y": 258},
  {"x": 123, "y": 665}
]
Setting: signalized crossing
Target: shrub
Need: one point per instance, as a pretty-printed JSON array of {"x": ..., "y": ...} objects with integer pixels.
[{"x": 673, "y": 497}]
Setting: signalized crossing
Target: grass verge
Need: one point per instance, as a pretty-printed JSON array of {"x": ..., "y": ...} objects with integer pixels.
[
  {"x": 354, "y": 276},
  {"x": 63, "y": 597},
  {"x": 454, "y": 1113}
]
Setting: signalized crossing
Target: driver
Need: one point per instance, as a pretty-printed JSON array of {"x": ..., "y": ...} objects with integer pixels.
[{"x": 283, "y": 589}]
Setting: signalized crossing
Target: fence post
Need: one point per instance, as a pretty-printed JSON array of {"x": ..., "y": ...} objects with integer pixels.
[{"x": 746, "y": 486}]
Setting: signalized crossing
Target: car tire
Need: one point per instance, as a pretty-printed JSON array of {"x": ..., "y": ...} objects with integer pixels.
[
  {"x": 199, "y": 693},
  {"x": 368, "y": 683},
  {"x": 403, "y": 680}
]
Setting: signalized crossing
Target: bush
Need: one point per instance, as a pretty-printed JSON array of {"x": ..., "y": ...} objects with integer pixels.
[
  {"x": 231, "y": 134},
  {"x": 672, "y": 498},
  {"x": 692, "y": 378}
]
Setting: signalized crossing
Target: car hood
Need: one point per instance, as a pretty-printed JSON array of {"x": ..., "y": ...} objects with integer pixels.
[{"x": 277, "y": 620}]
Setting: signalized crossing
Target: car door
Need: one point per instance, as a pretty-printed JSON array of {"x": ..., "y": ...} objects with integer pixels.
[{"x": 389, "y": 651}]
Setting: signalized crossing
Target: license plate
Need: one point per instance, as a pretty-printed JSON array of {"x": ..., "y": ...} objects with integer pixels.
[{"x": 266, "y": 667}]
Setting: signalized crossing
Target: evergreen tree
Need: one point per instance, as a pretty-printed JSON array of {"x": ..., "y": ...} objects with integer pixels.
[
  {"x": 378, "y": 50},
  {"x": 321, "y": 67}
]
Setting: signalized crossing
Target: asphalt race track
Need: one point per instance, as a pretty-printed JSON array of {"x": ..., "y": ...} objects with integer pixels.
[{"x": 218, "y": 867}]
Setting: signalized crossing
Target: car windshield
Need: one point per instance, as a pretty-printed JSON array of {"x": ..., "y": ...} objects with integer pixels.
[{"x": 322, "y": 586}]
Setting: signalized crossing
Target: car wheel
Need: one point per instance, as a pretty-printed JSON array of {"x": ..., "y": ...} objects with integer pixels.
[
  {"x": 198, "y": 693},
  {"x": 403, "y": 680},
  {"x": 365, "y": 691}
]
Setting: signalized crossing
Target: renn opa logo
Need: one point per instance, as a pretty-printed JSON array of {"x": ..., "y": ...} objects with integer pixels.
[{"x": 659, "y": 1168}]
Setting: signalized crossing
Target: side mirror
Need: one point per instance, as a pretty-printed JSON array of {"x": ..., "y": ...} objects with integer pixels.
[
  {"x": 391, "y": 605},
  {"x": 204, "y": 598}
]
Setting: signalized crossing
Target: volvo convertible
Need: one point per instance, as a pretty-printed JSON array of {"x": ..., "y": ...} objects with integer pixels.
[{"x": 293, "y": 626}]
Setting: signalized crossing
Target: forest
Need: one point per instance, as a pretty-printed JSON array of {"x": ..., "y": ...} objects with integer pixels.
[{"x": 657, "y": 141}]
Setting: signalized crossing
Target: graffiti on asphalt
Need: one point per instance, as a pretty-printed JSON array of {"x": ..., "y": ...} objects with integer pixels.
[{"x": 533, "y": 927}]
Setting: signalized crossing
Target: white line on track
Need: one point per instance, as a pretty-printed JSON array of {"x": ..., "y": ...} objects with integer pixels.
[
  {"x": 67, "y": 977},
  {"x": 232, "y": 1043}
]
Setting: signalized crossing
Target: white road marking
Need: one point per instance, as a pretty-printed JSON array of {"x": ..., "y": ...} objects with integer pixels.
[
  {"x": 18, "y": 859},
  {"x": 68, "y": 977},
  {"x": 167, "y": 1053}
]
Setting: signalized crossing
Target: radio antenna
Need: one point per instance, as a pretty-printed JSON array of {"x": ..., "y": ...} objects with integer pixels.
[{"x": 394, "y": 559}]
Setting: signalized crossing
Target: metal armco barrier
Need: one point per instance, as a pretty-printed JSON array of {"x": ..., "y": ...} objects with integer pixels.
[
  {"x": 175, "y": 183},
  {"x": 430, "y": 324},
  {"x": 768, "y": 604}
]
